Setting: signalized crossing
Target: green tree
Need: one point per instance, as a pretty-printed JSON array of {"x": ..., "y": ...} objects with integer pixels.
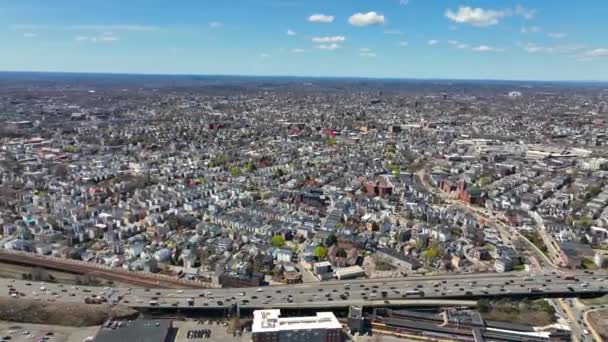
[
  {"x": 320, "y": 252},
  {"x": 235, "y": 172},
  {"x": 431, "y": 253},
  {"x": 484, "y": 180},
  {"x": 341, "y": 253},
  {"x": 331, "y": 141},
  {"x": 331, "y": 240},
  {"x": 250, "y": 167},
  {"x": 484, "y": 305},
  {"x": 279, "y": 173},
  {"x": 278, "y": 241}
]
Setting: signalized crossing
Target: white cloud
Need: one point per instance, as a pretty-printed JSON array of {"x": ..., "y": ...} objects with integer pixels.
[
  {"x": 297, "y": 50},
  {"x": 115, "y": 27},
  {"x": 366, "y": 19},
  {"x": 486, "y": 17},
  {"x": 393, "y": 32},
  {"x": 108, "y": 38},
  {"x": 329, "y": 47},
  {"x": 215, "y": 24},
  {"x": 101, "y": 28},
  {"x": 291, "y": 33},
  {"x": 530, "y": 29},
  {"x": 264, "y": 55},
  {"x": 404, "y": 2},
  {"x": 105, "y": 38},
  {"x": 367, "y": 53},
  {"x": 404, "y": 43},
  {"x": 321, "y": 18},
  {"x": 30, "y": 35},
  {"x": 486, "y": 48},
  {"x": 475, "y": 16},
  {"x": 557, "y": 49},
  {"x": 458, "y": 44},
  {"x": 556, "y": 35},
  {"x": 524, "y": 12},
  {"x": 432, "y": 42},
  {"x": 334, "y": 39},
  {"x": 601, "y": 52}
]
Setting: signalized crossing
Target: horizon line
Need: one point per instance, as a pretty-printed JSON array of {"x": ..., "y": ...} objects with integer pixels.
[{"x": 461, "y": 79}]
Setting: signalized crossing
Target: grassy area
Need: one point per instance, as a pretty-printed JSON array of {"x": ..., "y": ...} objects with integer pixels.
[
  {"x": 535, "y": 238},
  {"x": 520, "y": 267},
  {"x": 596, "y": 301},
  {"x": 599, "y": 320},
  {"x": 73, "y": 314},
  {"x": 529, "y": 312},
  {"x": 588, "y": 264},
  {"x": 383, "y": 265}
]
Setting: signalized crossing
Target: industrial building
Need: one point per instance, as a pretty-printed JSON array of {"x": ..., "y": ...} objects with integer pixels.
[{"x": 268, "y": 325}]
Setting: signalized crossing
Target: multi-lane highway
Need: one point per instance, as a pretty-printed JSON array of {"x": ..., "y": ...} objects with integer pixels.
[{"x": 327, "y": 294}]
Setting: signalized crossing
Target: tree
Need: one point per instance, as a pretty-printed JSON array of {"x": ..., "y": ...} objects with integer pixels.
[
  {"x": 484, "y": 305},
  {"x": 431, "y": 253},
  {"x": 61, "y": 171},
  {"x": 235, "y": 172},
  {"x": 320, "y": 252},
  {"x": 250, "y": 167},
  {"x": 484, "y": 180},
  {"x": 279, "y": 173},
  {"x": 341, "y": 253},
  {"x": 331, "y": 240},
  {"x": 278, "y": 241}
]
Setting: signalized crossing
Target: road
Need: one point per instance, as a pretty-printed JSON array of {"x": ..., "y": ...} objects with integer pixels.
[
  {"x": 328, "y": 294},
  {"x": 507, "y": 232},
  {"x": 575, "y": 311},
  {"x": 564, "y": 308}
]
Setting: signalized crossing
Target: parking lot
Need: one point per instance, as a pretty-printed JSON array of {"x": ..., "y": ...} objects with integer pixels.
[
  {"x": 22, "y": 332},
  {"x": 217, "y": 332}
]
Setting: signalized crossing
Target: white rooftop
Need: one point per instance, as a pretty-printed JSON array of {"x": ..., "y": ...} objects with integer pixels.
[{"x": 270, "y": 321}]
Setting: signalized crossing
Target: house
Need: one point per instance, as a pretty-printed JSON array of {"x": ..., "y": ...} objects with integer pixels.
[
  {"x": 503, "y": 265},
  {"x": 238, "y": 279},
  {"x": 481, "y": 254},
  {"x": 349, "y": 272},
  {"x": 283, "y": 255},
  {"x": 572, "y": 254},
  {"x": 600, "y": 259},
  {"x": 323, "y": 270},
  {"x": 398, "y": 259}
]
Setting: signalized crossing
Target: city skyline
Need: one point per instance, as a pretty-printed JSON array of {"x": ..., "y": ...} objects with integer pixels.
[{"x": 506, "y": 40}]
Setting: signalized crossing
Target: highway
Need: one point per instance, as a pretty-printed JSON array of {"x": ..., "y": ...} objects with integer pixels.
[{"x": 328, "y": 294}]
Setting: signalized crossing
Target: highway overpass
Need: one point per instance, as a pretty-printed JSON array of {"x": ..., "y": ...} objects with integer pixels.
[{"x": 373, "y": 292}]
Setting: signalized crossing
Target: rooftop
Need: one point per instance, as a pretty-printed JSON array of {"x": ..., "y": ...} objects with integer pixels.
[{"x": 270, "y": 320}]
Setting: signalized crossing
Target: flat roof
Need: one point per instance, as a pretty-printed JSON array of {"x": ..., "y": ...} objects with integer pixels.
[
  {"x": 140, "y": 330},
  {"x": 270, "y": 321}
]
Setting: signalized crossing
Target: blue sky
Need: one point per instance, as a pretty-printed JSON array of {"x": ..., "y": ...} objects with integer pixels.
[{"x": 488, "y": 39}]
